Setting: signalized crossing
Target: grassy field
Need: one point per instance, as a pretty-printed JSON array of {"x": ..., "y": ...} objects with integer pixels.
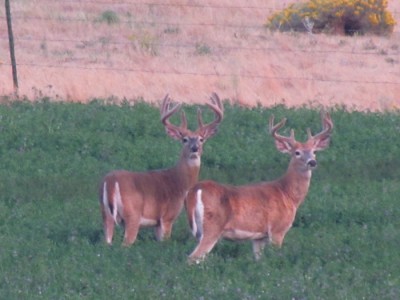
[{"x": 344, "y": 243}]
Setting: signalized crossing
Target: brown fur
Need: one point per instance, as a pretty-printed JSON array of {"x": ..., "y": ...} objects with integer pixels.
[
  {"x": 262, "y": 212},
  {"x": 155, "y": 198}
]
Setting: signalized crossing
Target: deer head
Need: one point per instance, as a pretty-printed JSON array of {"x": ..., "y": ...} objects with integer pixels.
[
  {"x": 192, "y": 140},
  {"x": 303, "y": 154}
]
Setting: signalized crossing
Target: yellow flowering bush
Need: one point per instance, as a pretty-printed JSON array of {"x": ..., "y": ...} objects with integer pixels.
[{"x": 335, "y": 16}]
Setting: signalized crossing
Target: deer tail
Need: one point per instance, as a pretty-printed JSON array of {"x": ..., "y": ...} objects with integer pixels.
[
  {"x": 112, "y": 201},
  {"x": 198, "y": 215}
]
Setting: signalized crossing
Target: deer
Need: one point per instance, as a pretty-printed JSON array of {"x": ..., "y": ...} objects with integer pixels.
[
  {"x": 155, "y": 198},
  {"x": 261, "y": 212}
]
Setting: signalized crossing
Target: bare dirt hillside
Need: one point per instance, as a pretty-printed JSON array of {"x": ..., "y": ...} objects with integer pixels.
[{"x": 124, "y": 49}]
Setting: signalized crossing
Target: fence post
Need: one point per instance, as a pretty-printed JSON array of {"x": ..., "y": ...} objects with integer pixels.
[{"x": 11, "y": 44}]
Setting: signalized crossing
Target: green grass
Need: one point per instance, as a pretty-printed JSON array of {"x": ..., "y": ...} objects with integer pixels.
[
  {"x": 109, "y": 16},
  {"x": 344, "y": 243}
]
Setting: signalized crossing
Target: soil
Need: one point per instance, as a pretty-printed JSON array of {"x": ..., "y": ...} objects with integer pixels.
[{"x": 70, "y": 51}]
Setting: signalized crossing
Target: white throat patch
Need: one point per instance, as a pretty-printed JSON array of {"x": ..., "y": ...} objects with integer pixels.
[{"x": 194, "y": 162}]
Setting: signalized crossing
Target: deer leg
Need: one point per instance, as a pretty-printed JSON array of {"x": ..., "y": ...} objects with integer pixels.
[
  {"x": 206, "y": 244},
  {"x": 277, "y": 239},
  {"x": 163, "y": 230},
  {"x": 108, "y": 226},
  {"x": 131, "y": 229},
  {"x": 258, "y": 247}
]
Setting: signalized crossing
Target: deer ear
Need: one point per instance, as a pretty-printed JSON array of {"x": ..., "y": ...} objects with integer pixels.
[
  {"x": 174, "y": 133},
  {"x": 283, "y": 146},
  {"x": 323, "y": 143}
]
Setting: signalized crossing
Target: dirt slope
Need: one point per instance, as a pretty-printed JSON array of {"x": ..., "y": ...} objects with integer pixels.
[{"x": 68, "y": 51}]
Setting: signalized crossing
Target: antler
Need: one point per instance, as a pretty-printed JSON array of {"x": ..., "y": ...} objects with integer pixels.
[
  {"x": 166, "y": 113},
  {"x": 273, "y": 129},
  {"x": 216, "y": 105},
  {"x": 327, "y": 126}
]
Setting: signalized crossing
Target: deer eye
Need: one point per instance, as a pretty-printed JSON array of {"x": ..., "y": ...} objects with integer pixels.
[
  {"x": 185, "y": 140},
  {"x": 201, "y": 140},
  {"x": 297, "y": 153}
]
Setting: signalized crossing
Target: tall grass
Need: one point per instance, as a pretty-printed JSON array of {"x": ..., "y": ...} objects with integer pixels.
[{"x": 344, "y": 243}]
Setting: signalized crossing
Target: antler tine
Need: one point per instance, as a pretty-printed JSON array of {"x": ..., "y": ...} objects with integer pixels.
[
  {"x": 217, "y": 107},
  {"x": 309, "y": 135},
  {"x": 183, "y": 120},
  {"x": 273, "y": 129},
  {"x": 216, "y": 101},
  {"x": 199, "y": 118},
  {"x": 166, "y": 112},
  {"x": 327, "y": 126}
]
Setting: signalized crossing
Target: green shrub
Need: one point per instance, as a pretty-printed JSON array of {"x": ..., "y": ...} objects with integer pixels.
[
  {"x": 336, "y": 16},
  {"x": 202, "y": 49},
  {"x": 110, "y": 17}
]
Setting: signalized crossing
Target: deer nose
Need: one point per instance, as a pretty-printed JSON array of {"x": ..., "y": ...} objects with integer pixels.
[
  {"x": 194, "y": 148},
  {"x": 312, "y": 163}
]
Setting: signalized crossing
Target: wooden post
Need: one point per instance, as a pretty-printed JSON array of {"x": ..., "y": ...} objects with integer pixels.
[{"x": 11, "y": 44}]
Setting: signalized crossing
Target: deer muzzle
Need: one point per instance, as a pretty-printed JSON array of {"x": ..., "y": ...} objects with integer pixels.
[
  {"x": 312, "y": 163},
  {"x": 194, "y": 149}
]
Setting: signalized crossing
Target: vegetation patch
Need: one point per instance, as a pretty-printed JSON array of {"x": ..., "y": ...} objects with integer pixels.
[
  {"x": 348, "y": 17},
  {"x": 110, "y": 17},
  {"x": 202, "y": 49},
  {"x": 343, "y": 245}
]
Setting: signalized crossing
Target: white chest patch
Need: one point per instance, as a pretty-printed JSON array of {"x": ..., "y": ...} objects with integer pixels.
[{"x": 147, "y": 222}]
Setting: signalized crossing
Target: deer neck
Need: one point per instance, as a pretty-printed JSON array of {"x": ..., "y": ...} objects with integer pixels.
[
  {"x": 296, "y": 183},
  {"x": 187, "y": 170}
]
